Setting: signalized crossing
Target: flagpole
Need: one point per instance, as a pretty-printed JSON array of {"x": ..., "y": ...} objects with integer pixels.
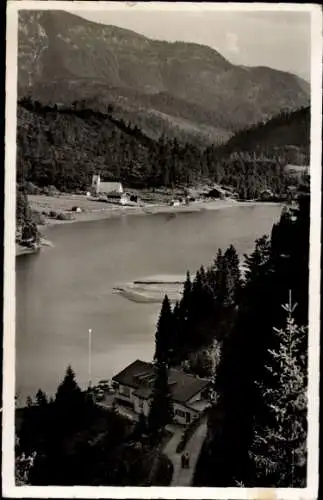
[{"x": 90, "y": 358}]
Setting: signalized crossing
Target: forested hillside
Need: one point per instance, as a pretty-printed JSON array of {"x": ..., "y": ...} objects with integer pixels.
[
  {"x": 64, "y": 146},
  {"x": 286, "y": 135},
  {"x": 231, "y": 327}
]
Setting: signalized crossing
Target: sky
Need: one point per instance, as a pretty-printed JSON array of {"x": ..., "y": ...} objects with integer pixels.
[{"x": 278, "y": 39}]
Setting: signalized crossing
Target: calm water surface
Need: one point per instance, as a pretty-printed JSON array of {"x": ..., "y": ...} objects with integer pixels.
[{"x": 65, "y": 290}]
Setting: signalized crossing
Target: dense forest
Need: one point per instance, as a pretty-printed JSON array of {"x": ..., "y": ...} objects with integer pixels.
[
  {"x": 231, "y": 326},
  {"x": 27, "y": 233},
  {"x": 67, "y": 440},
  {"x": 63, "y": 147},
  {"x": 286, "y": 135}
]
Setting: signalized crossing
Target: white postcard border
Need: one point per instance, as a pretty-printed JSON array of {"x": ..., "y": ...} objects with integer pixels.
[{"x": 8, "y": 436}]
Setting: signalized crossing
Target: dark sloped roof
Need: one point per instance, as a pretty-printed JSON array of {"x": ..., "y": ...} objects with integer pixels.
[{"x": 139, "y": 375}]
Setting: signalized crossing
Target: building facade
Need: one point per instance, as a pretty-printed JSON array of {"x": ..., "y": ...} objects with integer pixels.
[
  {"x": 133, "y": 389},
  {"x": 100, "y": 187}
]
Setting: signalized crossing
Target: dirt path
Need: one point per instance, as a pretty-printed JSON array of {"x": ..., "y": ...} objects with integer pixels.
[{"x": 184, "y": 477}]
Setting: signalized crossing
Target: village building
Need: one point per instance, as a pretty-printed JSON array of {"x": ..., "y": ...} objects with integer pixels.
[
  {"x": 134, "y": 385},
  {"x": 266, "y": 195},
  {"x": 297, "y": 170},
  {"x": 216, "y": 192},
  {"x": 105, "y": 188},
  {"x": 175, "y": 203}
]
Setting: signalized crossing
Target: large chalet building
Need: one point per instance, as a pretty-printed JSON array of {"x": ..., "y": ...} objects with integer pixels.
[{"x": 134, "y": 384}]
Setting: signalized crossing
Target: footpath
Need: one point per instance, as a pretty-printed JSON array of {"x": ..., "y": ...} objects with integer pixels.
[{"x": 184, "y": 477}]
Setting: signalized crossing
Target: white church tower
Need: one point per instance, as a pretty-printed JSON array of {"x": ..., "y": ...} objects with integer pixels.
[{"x": 95, "y": 188}]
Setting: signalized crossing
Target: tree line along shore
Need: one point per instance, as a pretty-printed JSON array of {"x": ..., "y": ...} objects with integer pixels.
[{"x": 61, "y": 147}]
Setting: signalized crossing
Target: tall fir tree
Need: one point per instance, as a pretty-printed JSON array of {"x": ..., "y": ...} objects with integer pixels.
[
  {"x": 232, "y": 276},
  {"x": 185, "y": 302},
  {"x": 278, "y": 451},
  {"x": 165, "y": 333},
  {"x": 41, "y": 398},
  {"x": 70, "y": 401},
  {"x": 161, "y": 406},
  {"x": 220, "y": 282}
]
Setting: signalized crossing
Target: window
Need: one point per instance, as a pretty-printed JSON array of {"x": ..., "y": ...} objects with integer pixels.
[
  {"x": 125, "y": 391},
  {"x": 188, "y": 417},
  {"x": 205, "y": 393},
  {"x": 180, "y": 413}
]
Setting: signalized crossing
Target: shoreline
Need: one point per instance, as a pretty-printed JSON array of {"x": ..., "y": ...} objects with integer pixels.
[
  {"x": 117, "y": 211},
  {"x": 149, "y": 209},
  {"x": 23, "y": 250}
]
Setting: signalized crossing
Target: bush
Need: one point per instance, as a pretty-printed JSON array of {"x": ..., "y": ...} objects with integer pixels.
[
  {"x": 65, "y": 216},
  {"x": 38, "y": 218},
  {"x": 51, "y": 191},
  {"x": 53, "y": 214},
  {"x": 31, "y": 188},
  {"x": 164, "y": 472}
]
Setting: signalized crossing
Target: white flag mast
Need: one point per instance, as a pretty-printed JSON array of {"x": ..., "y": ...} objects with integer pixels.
[{"x": 90, "y": 358}]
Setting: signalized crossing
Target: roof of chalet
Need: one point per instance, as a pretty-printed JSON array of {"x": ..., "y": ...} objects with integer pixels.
[{"x": 140, "y": 375}]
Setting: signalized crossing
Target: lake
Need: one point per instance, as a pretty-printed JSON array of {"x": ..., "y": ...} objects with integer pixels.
[{"x": 65, "y": 290}]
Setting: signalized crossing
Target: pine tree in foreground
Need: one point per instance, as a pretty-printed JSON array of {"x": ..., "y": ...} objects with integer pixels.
[
  {"x": 41, "y": 398},
  {"x": 278, "y": 452},
  {"x": 165, "y": 333},
  {"x": 161, "y": 407},
  {"x": 69, "y": 401}
]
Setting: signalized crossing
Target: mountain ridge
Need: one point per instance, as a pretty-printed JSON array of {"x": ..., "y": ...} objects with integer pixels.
[{"x": 62, "y": 55}]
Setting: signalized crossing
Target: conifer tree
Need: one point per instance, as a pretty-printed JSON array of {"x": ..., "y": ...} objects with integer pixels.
[
  {"x": 258, "y": 262},
  {"x": 232, "y": 276},
  {"x": 220, "y": 278},
  {"x": 41, "y": 398},
  {"x": 69, "y": 399},
  {"x": 161, "y": 407},
  {"x": 197, "y": 304},
  {"x": 278, "y": 451},
  {"x": 140, "y": 427},
  {"x": 179, "y": 334},
  {"x": 29, "y": 402},
  {"x": 164, "y": 338},
  {"x": 186, "y": 298},
  {"x": 22, "y": 207}
]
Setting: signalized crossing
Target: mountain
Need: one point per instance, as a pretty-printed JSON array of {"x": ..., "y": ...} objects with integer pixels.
[
  {"x": 286, "y": 135},
  {"x": 183, "y": 90}
]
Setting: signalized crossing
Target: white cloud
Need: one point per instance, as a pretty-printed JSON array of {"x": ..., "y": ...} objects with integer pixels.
[{"x": 232, "y": 43}]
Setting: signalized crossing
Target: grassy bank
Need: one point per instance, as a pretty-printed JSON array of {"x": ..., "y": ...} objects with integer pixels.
[{"x": 95, "y": 210}]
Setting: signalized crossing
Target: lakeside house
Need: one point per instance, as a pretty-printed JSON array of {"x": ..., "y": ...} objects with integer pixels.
[
  {"x": 175, "y": 203},
  {"x": 297, "y": 170},
  {"x": 216, "y": 192},
  {"x": 266, "y": 195},
  {"x": 110, "y": 191},
  {"x": 113, "y": 197},
  {"x": 134, "y": 385},
  {"x": 106, "y": 188}
]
